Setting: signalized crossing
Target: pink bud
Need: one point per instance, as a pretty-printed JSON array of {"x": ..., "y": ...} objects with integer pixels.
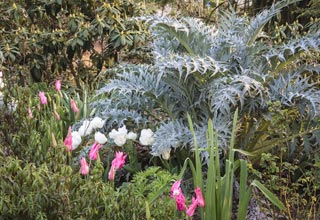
[
  {"x": 58, "y": 85},
  {"x": 43, "y": 98},
  {"x": 112, "y": 173},
  {"x": 199, "y": 197},
  {"x": 74, "y": 106},
  {"x": 68, "y": 140},
  {"x": 30, "y": 113},
  {"x": 84, "y": 169},
  {"x": 94, "y": 151}
]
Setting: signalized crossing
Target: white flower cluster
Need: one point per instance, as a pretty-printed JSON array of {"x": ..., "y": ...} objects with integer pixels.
[
  {"x": 86, "y": 128},
  {"x": 121, "y": 136}
]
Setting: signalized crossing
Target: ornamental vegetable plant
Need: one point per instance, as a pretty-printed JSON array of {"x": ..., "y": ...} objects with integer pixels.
[{"x": 209, "y": 71}]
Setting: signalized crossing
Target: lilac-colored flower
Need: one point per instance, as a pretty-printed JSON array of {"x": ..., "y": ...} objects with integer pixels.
[
  {"x": 58, "y": 85},
  {"x": 94, "y": 151},
  {"x": 74, "y": 106},
  {"x": 199, "y": 197},
  {"x": 119, "y": 160},
  {"x": 30, "y": 113},
  {"x": 68, "y": 140},
  {"x": 84, "y": 166},
  {"x": 43, "y": 98},
  {"x": 191, "y": 209}
]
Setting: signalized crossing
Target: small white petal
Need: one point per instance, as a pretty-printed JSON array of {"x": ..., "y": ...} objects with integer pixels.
[
  {"x": 100, "y": 138},
  {"x": 146, "y": 137},
  {"x": 120, "y": 140},
  {"x": 97, "y": 122},
  {"x": 132, "y": 136},
  {"x": 76, "y": 139}
]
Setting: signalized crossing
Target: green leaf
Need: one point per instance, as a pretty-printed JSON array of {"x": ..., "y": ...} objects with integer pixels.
[{"x": 268, "y": 194}]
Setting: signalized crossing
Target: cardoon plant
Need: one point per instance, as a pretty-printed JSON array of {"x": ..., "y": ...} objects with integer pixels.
[{"x": 209, "y": 71}]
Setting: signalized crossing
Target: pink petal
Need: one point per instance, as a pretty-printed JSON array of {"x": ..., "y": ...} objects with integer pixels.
[
  {"x": 191, "y": 209},
  {"x": 199, "y": 197}
]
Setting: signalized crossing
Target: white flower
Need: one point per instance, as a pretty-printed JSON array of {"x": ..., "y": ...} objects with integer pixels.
[
  {"x": 119, "y": 136},
  {"x": 113, "y": 134},
  {"x": 123, "y": 130},
  {"x": 86, "y": 128},
  {"x": 76, "y": 139},
  {"x": 120, "y": 140},
  {"x": 97, "y": 122},
  {"x": 100, "y": 138},
  {"x": 146, "y": 137},
  {"x": 132, "y": 136},
  {"x": 166, "y": 154}
]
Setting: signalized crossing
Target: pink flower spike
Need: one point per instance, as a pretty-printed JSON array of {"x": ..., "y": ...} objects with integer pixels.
[
  {"x": 199, "y": 197},
  {"x": 30, "y": 113},
  {"x": 84, "y": 169},
  {"x": 57, "y": 85},
  {"x": 56, "y": 114},
  {"x": 94, "y": 151},
  {"x": 68, "y": 140},
  {"x": 175, "y": 189},
  {"x": 43, "y": 98},
  {"x": 119, "y": 160},
  {"x": 191, "y": 209},
  {"x": 74, "y": 106},
  {"x": 112, "y": 173},
  {"x": 181, "y": 202}
]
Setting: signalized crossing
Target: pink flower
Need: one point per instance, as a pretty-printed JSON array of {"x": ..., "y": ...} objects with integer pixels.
[
  {"x": 175, "y": 189},
  {"x": 74, "y": 106},
  {"x": 43, "y": 98},
  {"x": 180, "y": 201},
  {"x": 112, "y": 173},
  {"x": 199, "y": 197},
  {"x": 94, "y": 151},
  {"x": 84, "y": 169},
  {"x": 177, "y": 194},
  {"x": 58, "y": 85},
  {"x": 119, "y": 160},
  {"x": 56, "y": 115},
  {"x": 68, "y": 140},
  {"x": 191, "y": 209},
  {"x": 117, "y": 163},
  {"x": 30, "y": 113}
]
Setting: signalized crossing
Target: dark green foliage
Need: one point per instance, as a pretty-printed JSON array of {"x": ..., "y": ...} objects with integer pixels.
[{"x": 42, "y": 40}]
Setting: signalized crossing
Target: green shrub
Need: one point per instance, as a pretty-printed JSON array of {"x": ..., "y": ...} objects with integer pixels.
[
  {"x": 41, "y": 40},
  {"x": 54, "y": 191}
]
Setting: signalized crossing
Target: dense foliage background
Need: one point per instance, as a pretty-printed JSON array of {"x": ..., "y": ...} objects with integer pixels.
[{"x": 211, "y": 92}]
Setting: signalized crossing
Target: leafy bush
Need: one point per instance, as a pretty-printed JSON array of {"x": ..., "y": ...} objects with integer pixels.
[
  {"x": 54, "y": 191},
  {"x": 294, "y": 181},
  {"x": 41, "y": 40}
]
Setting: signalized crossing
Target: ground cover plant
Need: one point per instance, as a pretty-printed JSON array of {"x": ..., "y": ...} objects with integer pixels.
[{"x": 224, "y": 114}]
